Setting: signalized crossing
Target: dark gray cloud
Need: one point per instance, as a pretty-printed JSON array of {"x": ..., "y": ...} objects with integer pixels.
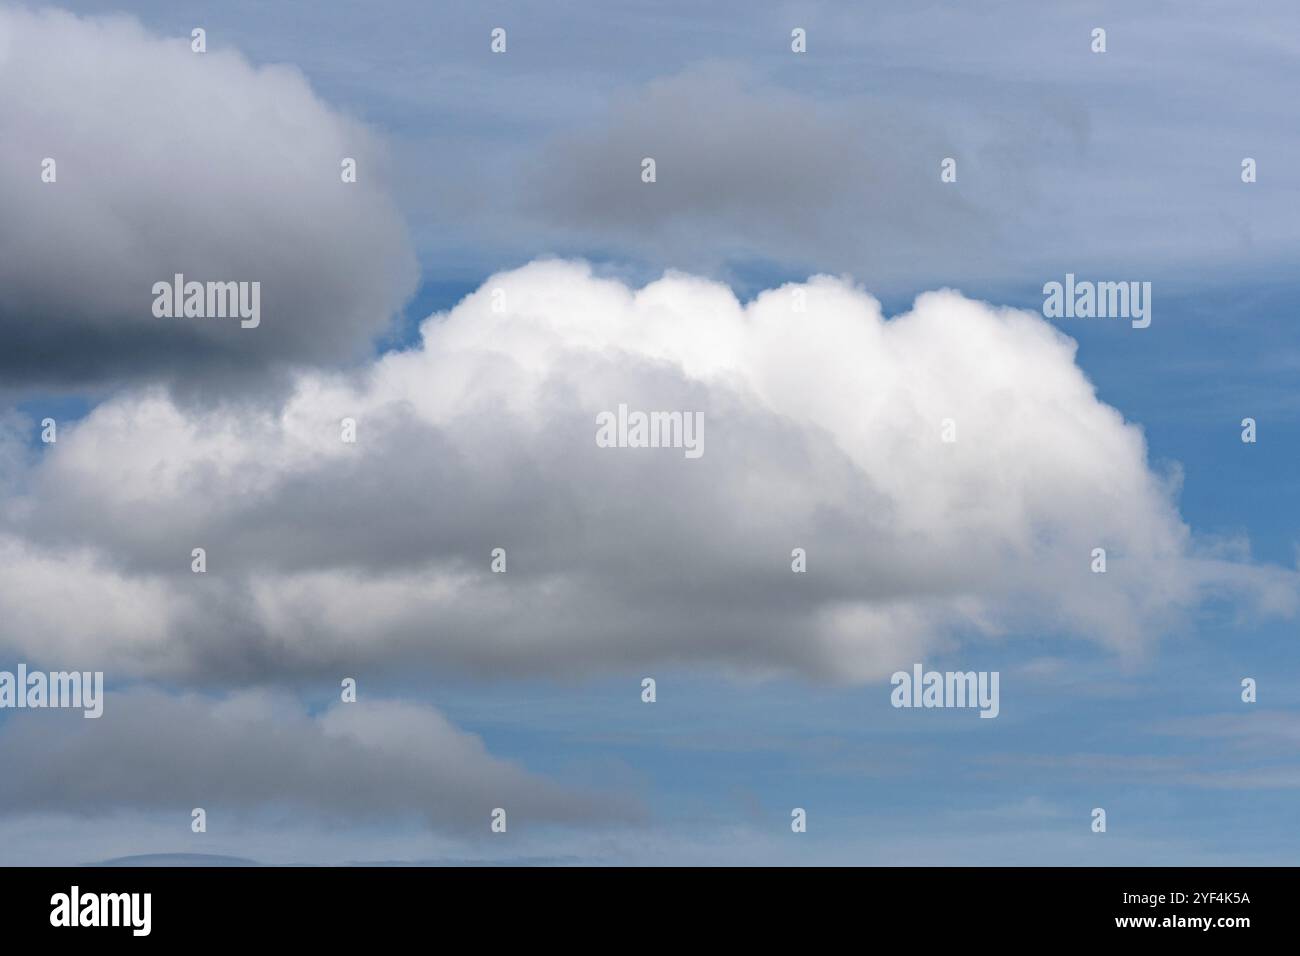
[{"x": 168, "y": 162}]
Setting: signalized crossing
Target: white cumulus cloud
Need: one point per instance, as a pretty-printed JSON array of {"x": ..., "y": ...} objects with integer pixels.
[{"x": 823, "y": 431}]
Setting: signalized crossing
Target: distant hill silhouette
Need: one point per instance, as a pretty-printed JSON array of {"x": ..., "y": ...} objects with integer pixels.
[{"x": 177, "y": 859}]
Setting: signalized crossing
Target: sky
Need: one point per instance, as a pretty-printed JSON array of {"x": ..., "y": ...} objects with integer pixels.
[{"x": 801, "y": 276}]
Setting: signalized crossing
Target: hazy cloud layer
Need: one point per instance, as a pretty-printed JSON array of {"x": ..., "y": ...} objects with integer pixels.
[
  {"x": 172, "y": 162},
  {"x": 822, "y": 431},
  {"x": 770, "y": 160}
]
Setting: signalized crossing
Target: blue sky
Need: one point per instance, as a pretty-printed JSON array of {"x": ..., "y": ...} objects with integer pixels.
[{"x": 1117, "y": 166}]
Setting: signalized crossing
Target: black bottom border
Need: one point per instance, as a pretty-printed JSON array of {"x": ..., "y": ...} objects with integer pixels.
[{"x": 302, "y": 905}]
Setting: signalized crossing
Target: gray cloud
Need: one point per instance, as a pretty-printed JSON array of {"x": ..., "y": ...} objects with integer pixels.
[
  {"x": 174, "y": 162},
  {"x": 746, "y": 169},
  {"x": 258, "y": 751}
]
